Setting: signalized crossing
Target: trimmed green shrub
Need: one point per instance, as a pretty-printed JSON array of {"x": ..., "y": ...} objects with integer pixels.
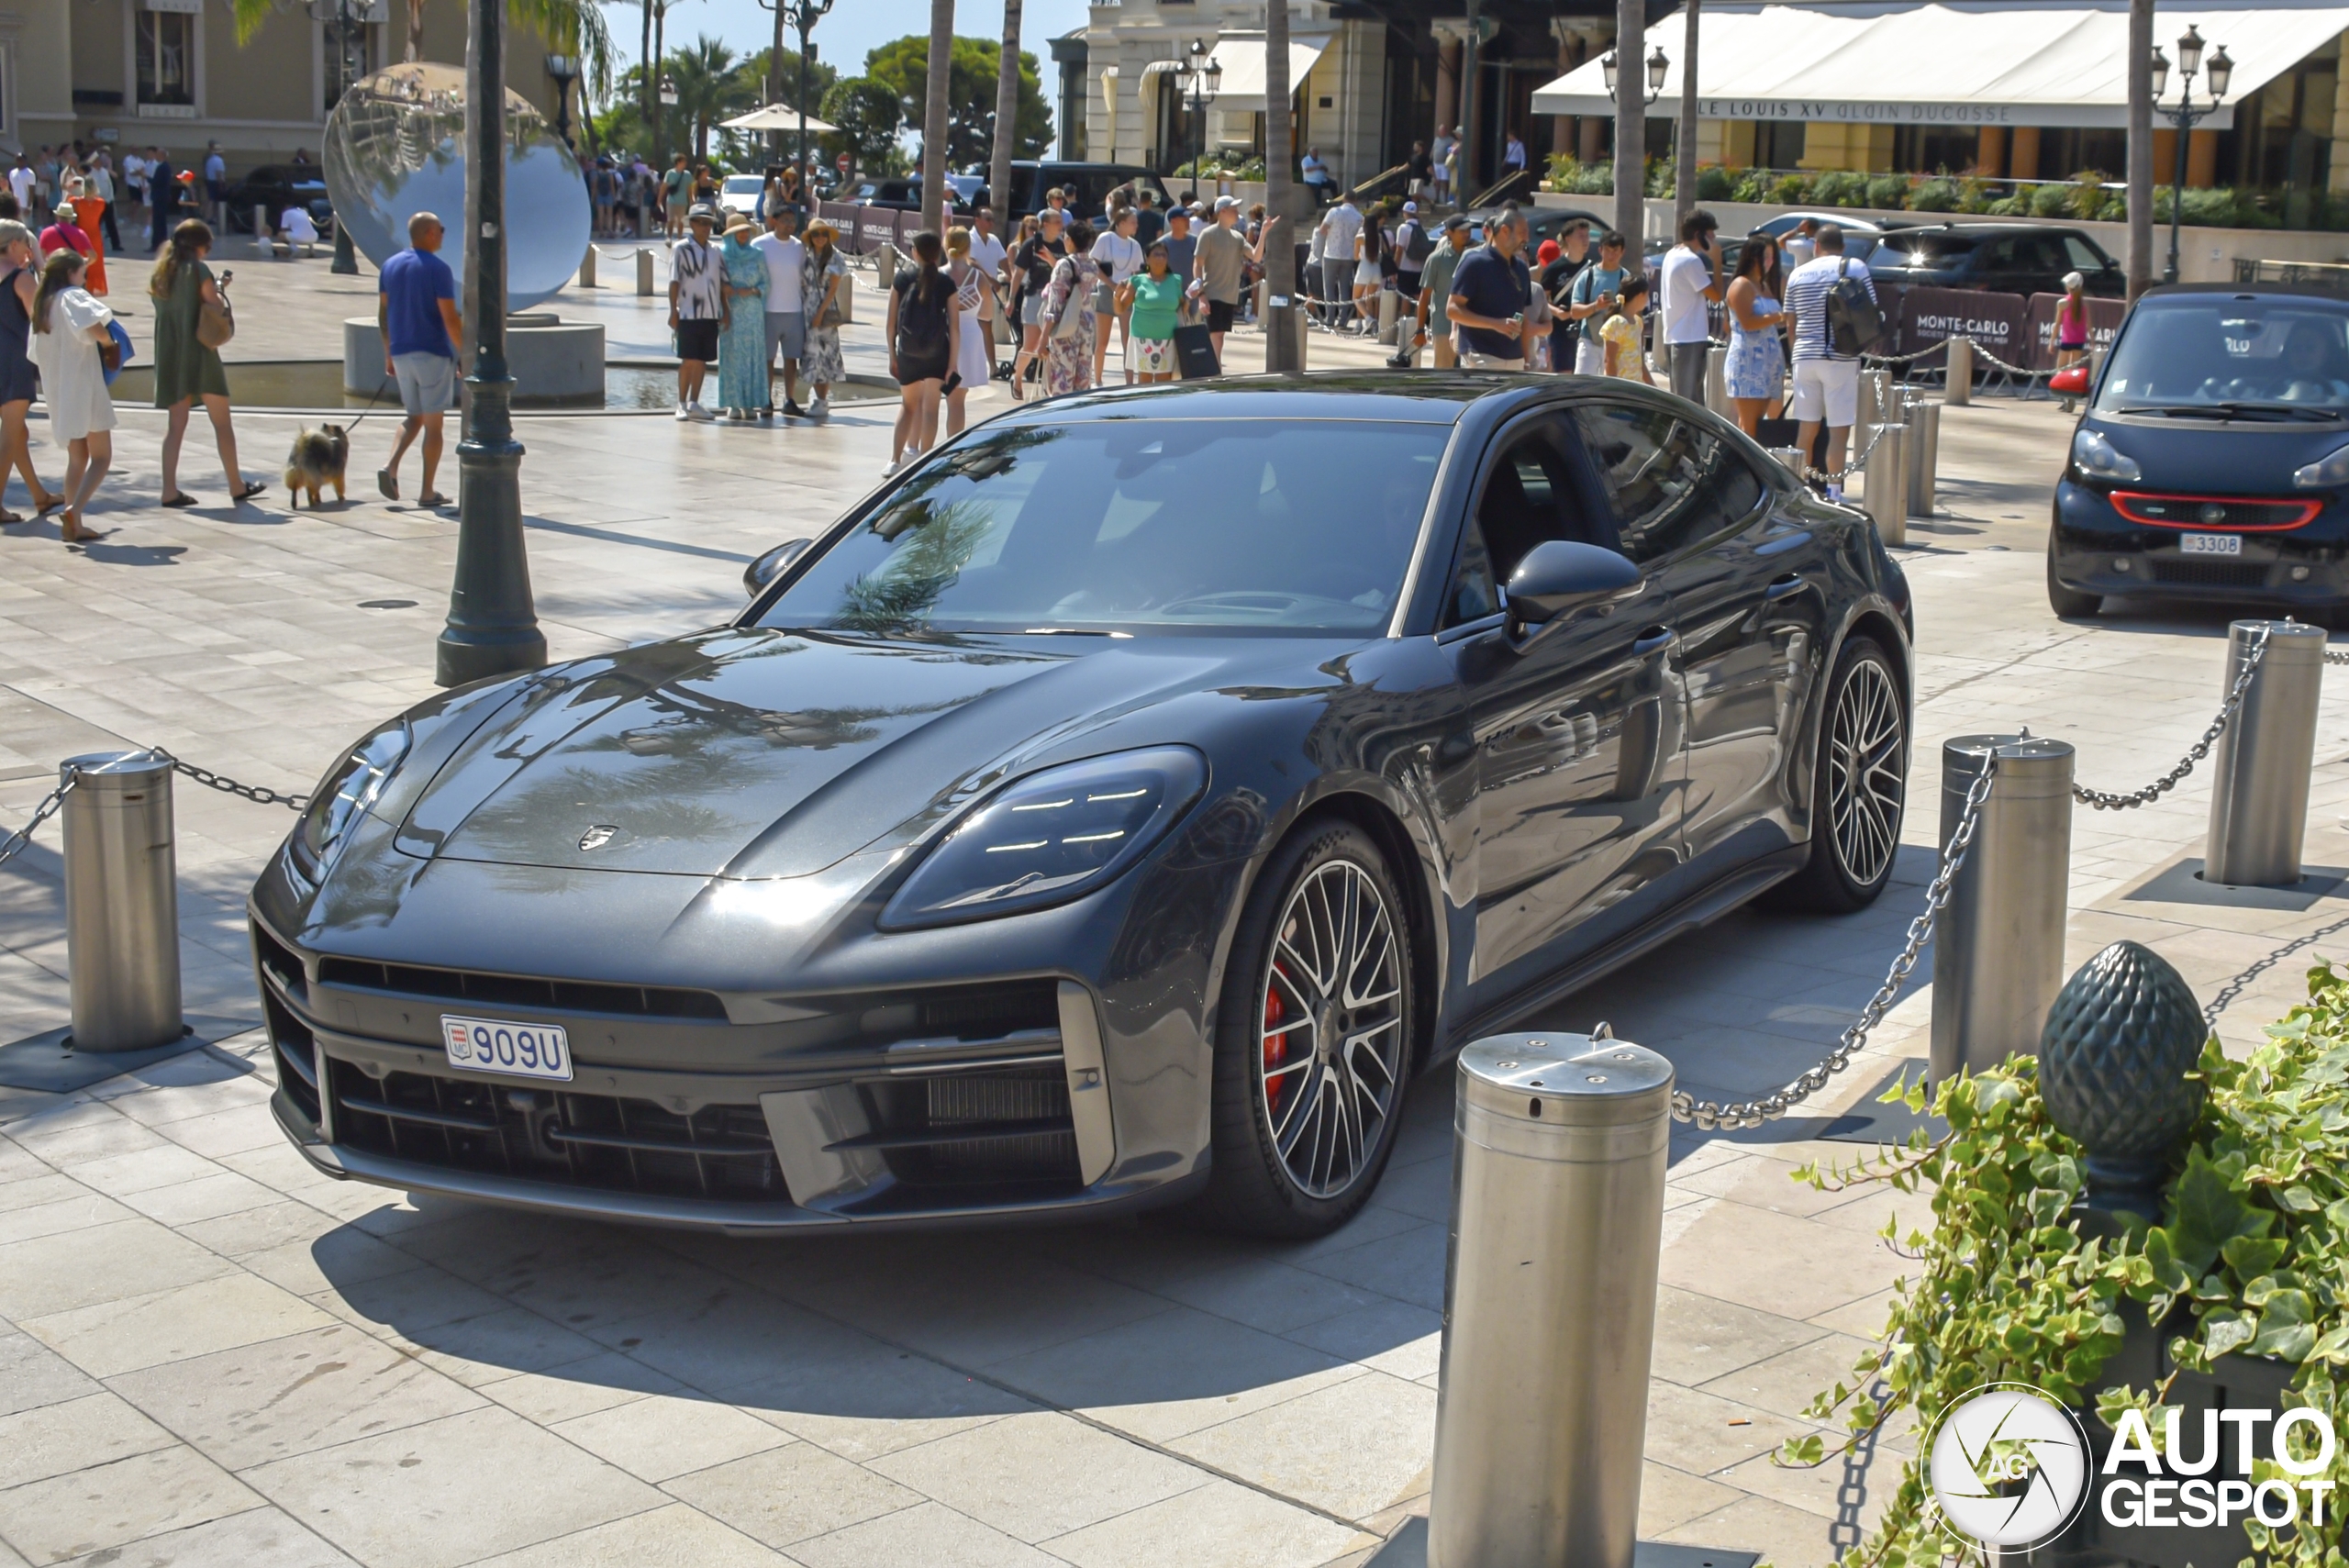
[
  {"x": 1887, "y": 191},
  {"x": 2051, "y": 201},
  {"x": 1715, "y": 183},
  {"x": 1936, "y": 196}
]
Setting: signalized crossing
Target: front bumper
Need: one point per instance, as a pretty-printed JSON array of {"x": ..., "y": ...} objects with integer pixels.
[{"x": 2096, "y": 550}]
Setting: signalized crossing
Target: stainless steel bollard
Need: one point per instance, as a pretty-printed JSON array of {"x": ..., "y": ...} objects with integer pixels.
[
  {"x": 1548, "y": 1306},
  {"x": 264, "y": 244},
  {"x": 587, "y": 267},
  {"x": 2259, "y": 791},
  {"x": 122, "y": 912},
  {"x": 1998, "y": 951},
  {"x": 1879, "y": 402},
  {"x": 1717, "y": 381},
  {"x": 1390, "y": 311},
  {"x": 1960, "y": 355},
  {"x": 1924, "y": 420},
  {"x": 885, "y": 265},
  {"x": 644, "y": 271},
  {"x": 1791, "y": 459},
  {"x": 1887, "y": 480}
]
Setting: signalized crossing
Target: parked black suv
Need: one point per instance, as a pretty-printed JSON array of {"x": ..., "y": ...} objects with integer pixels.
[
  {"x": 278, "y": 186},
  {"x": 2000, "y": 258}
]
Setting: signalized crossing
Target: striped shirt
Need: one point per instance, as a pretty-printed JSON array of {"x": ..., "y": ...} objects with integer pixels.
[{"x": 1806, "y": 288}]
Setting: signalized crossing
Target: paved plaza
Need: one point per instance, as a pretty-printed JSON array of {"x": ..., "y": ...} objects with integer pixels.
[{"x": 209, "y": 1354}]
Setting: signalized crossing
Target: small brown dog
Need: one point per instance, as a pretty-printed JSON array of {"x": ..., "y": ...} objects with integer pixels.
[{"x": 317, "y": 460}]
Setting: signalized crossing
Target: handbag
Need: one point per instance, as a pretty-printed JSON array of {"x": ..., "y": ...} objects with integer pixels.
[
  {"x": 215, "y": 323},
  {"x": 110, "y": 352},
  {"x": 839, "y": 311}
]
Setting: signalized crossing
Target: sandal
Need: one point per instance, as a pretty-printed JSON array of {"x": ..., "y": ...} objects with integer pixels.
[
  {"x": 433, "y": 498},
  {"x": 43, "y": 506},
  {"x": 182, "y": 499},
  {"x": 249, "y": 491},
  {"x": 9, "y": 518}
]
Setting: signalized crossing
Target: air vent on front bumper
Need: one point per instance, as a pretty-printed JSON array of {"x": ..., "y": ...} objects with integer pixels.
[
  {"x": 974, "y": 1129},
  {"x": 517, "y": 991},
  {"x": 2209, "y": 573}
]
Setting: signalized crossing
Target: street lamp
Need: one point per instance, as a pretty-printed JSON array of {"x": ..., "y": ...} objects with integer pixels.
[
  {"x": 803, "y": 15},
  {"x": 346, "y": 26},
  {"x": 2185, "y": 116},
  {"x": 564, "y": 70},
  {"x": 1198, "y": 81},
  {"x": 492, "y": 627},
  {"x": 1657, "y": 66}
]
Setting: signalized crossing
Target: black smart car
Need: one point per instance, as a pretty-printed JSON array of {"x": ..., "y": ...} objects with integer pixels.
[
  {"x": 2212, "y": 461},
  {"x": 2000, "y": 258},
  {"x": 1115, "y": 808}
]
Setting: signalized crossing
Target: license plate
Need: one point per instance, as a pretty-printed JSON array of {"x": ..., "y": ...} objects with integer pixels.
[
  {"x": 2211, "y": 544},
  {"x": 525, "y": 1050}
]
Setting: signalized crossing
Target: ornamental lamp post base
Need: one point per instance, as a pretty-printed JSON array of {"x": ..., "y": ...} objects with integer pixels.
[
  {"x": 492, "y": 627},
  {"x": 345, "y": 258}
]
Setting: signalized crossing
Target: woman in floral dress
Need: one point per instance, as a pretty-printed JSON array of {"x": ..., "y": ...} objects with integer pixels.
[
  {"x": 1075, "y": 286},
  {"x": 743, "y": 388},
  {"x": 824, "y": 282}
]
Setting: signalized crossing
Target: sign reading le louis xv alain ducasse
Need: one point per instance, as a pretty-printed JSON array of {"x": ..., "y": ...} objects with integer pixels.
[{"x": 1864, "y": 112}]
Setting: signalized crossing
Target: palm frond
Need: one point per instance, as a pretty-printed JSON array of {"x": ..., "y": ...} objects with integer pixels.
[
  {"x": 250, "y": 15},
  {"x": 568, "y": 26}
]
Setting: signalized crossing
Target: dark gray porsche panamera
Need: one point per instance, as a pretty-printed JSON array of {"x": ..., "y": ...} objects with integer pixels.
[{"x": 1114, "y": 809}]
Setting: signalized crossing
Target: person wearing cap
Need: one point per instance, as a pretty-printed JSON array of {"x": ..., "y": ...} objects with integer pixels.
[
  {"x": 1182, "y": 244},
  {"x": 745, "y": 388},
  {"x": 1591, "y": 298},
  {"x": 1220, "y": 263},
  {"x": 2072, "y": 322},
  {"x": 19, "y": 286},
  {"x": 1413, "y": 245},
  {"x": 697, "y": 308},
  {"x": 1435, "y": 291}
]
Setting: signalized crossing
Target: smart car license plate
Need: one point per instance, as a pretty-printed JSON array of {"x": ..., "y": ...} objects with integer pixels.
[
  {"x": 525, "y": 1050},
  {"x": 2211, "y": 544}
]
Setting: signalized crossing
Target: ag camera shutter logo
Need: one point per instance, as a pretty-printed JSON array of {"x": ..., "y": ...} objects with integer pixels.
[{"x": 2007, "y": 1466}]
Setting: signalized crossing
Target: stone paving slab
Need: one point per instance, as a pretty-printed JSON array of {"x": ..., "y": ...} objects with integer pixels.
[{"x": 210, "y": 1354}]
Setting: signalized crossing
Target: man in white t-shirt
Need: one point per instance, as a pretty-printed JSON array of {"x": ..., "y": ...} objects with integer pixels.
[
  {"x": 1691, "y": 276},
  {"x": 1333, "y": 250},
  {"x": 1826, "y": 385},
  {"x": 21, "y": 180},
  {"x": 988, "y": 254},
  {"x": 784, "y": 254}
]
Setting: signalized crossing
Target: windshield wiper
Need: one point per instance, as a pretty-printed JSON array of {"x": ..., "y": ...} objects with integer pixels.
[{"x": 2234, "y": 411}]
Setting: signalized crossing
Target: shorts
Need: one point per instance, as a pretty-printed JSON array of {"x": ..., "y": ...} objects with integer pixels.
[
  {"x": 1826, "y": 390},
  {"x": 786, "y": 330},
  {"x": 428, "y": 381},
  {"x": 1490, "y": 363},
  {"x": 1220, "y": 314},
  {"x": 698, "y": 340},
  {"x": 1030, "y": 304},
  {"x": 1153, "y": 356}
]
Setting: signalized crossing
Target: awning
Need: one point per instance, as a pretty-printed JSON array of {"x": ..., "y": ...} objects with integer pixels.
[
  {"x": 778, "y": 117},
  {"x": 1982, "y": 63},
  {"x": 1242, "y": 55}
]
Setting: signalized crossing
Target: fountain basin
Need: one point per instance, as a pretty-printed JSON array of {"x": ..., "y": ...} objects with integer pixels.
[
  {"x": 627, "y": 386},
  {"x": 551, "y": 360}
]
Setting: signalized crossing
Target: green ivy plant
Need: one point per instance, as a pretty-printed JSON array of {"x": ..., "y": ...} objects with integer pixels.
[{"x": 2254, "y": 1242}]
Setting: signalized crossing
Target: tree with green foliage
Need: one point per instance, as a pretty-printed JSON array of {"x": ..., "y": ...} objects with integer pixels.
[
  {"x": 566, "y": 27},
  {"x": 710, "y": 85},
  {"x": 870, "y": 117},
  {"x": 903, "y": 67}
]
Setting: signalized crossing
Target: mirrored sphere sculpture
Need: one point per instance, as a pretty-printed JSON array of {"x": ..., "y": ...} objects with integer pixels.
[{"x": 394, "y": 147}]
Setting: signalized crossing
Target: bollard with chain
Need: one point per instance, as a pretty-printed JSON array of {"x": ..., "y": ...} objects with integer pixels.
[
  {"x": 1999, "y": 960},
  {"x": 644, "y": 271},
  {"x": 1887, "y": 481},
  {"x": 2259, "y": 789},
  {"x": 1923, "y": 417},
  {"x": 1959, "y": 389},
  {"x": 122, "y": 920},
  {"x": 587, "y": 267}
]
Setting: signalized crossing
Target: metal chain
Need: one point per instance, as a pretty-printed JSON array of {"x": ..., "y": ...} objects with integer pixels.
[
  {"x": 15, "y": 843},
  {"x": 2201, "y": 749},
  {"x": 211, "y": 780},
  {"x": 1851, "y": 464},
  {"x": 1890, "y": 360},
  {"x": 2333, "y": 658},
  {"x": 1769, "y": 1108}
]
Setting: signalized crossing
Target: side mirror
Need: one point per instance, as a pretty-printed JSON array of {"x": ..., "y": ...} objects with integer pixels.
[
  {"x": 1560, "y": 575},
  {"x": 768, "y": 567}
]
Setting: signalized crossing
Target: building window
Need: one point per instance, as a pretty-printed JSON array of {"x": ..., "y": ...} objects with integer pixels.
[
  {"x": 167, "y": 58},
  {"x": 1777, "y": 144}
]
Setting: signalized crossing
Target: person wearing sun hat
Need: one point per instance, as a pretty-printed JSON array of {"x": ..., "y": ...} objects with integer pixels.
[
  {"x": 697, "y": 308},
  {"x": 743, "y": 387}
]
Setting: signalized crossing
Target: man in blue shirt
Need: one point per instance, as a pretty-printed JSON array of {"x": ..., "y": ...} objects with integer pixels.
[
  {"x": 416, "y": 309},
  {"x": 1491, "y": 308}
]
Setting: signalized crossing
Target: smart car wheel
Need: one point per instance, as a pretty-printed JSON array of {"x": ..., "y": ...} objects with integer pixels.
[
  {"x": 1859, "y": 786},
  {"x": 2069, "y": 603},
  {"x": 1313, "y": 1039}
]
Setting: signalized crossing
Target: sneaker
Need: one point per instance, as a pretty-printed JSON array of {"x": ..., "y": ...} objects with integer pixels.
[
  {"x": 683, "y": 412},
  {"x": 895, "y": 464},
  {"x": 695, "y": 411},
  {"x": 793, "y": 410},
  {"x": 820, "y": 409},
  {"x": 1835, "y": 493}
]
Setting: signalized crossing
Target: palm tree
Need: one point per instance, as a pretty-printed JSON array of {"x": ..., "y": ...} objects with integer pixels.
[
  {"x": 936, "y": 130},
  {"x": 1006, "y": 119},
  {"x": 568, "y": 26},
  {"x": 1280, "y": 195},
  {"x": 708, "y": 88}
]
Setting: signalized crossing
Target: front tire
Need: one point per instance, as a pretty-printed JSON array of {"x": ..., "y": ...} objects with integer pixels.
[
  {"x": 1313, "y": 1039},
  {"x": 1859, "y": 787},
  {"x": 2069, "y": 603}
]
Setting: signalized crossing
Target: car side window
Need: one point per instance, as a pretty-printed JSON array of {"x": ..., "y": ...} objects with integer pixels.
[
  {"x": 1530, "y": 495},
  {"x": 2084, "y": 256},
  {"x": 2045, "y": 254},
  {"x": 1674, "y": 483}
]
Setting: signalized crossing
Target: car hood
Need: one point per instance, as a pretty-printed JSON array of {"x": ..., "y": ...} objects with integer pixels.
[
  {"x": 2241, "y": 456},
  {"x": 761, "y": 753}
]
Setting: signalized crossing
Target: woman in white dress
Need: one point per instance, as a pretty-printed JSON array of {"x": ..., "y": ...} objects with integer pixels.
[
  {"x": 69, "y": 323},
  {"x": 972, "y": 365}
]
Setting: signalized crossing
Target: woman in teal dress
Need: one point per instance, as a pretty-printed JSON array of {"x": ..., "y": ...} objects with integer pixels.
[{"x": 743, "y": 389}]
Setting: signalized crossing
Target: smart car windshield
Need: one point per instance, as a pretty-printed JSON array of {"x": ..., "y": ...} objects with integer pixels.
[
  {"x": 2225, "y": 356},
  {"x": 1294, "y": 525}
]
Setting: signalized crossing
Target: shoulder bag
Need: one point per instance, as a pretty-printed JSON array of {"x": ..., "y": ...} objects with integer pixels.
[
  {"x": 215, "y": 318},
  {"x": 1855, "y": 321}
]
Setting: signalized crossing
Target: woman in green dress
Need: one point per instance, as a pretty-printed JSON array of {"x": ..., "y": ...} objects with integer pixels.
[{"x": 185, "y": 369}]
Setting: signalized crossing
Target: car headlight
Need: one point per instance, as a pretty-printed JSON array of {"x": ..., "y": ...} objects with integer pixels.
[
  {"x": 345, "y": 794},
  {"x": 2325, "y": 473},
  {"x": 1050, "y": 837},
  {"x": 2100, "y": 459}
]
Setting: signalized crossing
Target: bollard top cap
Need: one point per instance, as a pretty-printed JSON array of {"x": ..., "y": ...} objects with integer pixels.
[
  {"x": 115, "y": 770},
  {"x": 2021, "y": 757},
  {"x": 1580, "y": 1082},
  {"x": 2299, "y": 636}
]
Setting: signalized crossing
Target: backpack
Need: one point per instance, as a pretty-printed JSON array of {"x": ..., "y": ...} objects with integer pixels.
[
  {"x": 1417, "y": 246},
  {"x": 1855, "y": 321}
]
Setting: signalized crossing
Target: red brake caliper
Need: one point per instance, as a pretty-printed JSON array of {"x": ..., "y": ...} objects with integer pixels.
[{"x": 1276, "y": 1045}]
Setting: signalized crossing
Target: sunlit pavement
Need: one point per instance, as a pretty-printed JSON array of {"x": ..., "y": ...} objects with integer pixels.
[{"x": 213, "y": 1356}]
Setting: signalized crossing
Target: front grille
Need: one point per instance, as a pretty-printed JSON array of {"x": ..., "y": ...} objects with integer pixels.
[
  {"x": 552, "y": 1134},
  {"x": 2214, "y": 511},
  {"x": 2211, "y": 573},
  {"x": 1009, "y": 1127},
  {"x": 517, "y": 991}
]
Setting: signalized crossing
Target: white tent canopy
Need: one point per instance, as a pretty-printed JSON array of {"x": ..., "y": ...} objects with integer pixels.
[
  {"x": 778, "y": 117},
  {"x": 1242, "y": 55},
  {"x": 1974, "y": 63}
]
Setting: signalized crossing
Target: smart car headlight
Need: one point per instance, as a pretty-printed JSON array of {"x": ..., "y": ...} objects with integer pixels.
[
  {"x": 2100, "y": 459},
  {"x": 345, "y": 794},
  {"x": 2327, "y": 473},
  {"x": 1050, "y": 837}
]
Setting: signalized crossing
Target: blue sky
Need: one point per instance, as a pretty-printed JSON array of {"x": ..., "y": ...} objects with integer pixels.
[{"x": 855, "y": 27}]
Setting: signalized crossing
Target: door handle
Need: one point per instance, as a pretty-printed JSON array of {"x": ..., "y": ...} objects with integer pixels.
[
  {"x": 1652, "y": 639},
  {"x": 1792, "y": 583}
]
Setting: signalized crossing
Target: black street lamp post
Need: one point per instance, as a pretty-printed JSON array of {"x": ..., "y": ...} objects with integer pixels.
[
  {"x": 1657, "y": 66},
  {"x": 803, "y": 15},
  {"x": 493, "y": 628},
  {"x": 2185, "y": 116},
  {"x": 1198, "y": 81},
  {"x": 346, "y": 31},
  {"x": 564, "y": 70}
]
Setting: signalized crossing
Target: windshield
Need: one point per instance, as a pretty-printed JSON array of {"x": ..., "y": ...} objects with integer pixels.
[
  {"x": 1137, "y": 525},
  {"x": 2231, "y": 356},
  {"x": 741, "y": 184}
]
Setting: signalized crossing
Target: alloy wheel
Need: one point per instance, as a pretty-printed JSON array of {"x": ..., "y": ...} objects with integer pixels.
[
  {"x": 1330, "y": 1031},
  {"x": 1866, "y": 776}
]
